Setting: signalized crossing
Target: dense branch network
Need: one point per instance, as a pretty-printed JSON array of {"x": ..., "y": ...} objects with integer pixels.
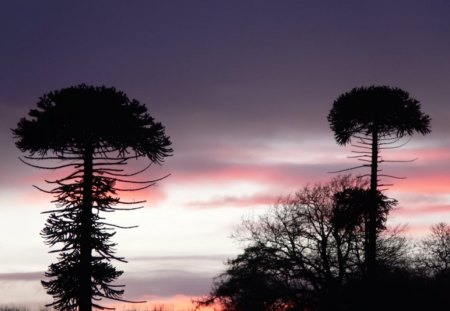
[{"x": 64, "y": 224}]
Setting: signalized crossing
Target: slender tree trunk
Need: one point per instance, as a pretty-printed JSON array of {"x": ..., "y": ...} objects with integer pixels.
[
  {"x": 85, "y": 294},
  {"x": 372, "y": 230}
]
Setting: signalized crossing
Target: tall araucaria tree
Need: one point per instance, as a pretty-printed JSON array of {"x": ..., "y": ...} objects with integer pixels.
[
  {"x": 371, "y": 119},
  {"x": 92, "y": 132}
]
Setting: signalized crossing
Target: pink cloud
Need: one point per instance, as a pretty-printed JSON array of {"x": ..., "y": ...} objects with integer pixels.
[
  {"x": 154, "y": 196},
  {"x": 422, "y": 155},
  {"x": 425, "y": 183},
  {"x": 275, "y": 175},
  {"x": 433, "y": 154},
  {"x": 417, "y": 231},
  {"x": 422, "y": 210},
  {"x": 236, "y": 201}
]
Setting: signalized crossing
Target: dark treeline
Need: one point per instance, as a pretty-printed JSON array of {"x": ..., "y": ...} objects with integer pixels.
[
  {"x": 327, "y": 246},
  {"x": 301, "y": 255}
]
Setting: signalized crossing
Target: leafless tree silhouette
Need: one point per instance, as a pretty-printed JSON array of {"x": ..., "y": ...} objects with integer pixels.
[{"x": 299, "y": 255}]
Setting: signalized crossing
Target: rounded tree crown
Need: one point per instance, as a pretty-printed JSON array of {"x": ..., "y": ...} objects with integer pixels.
[
  {"x": 383, "y": 110},
  {"x": 100, "y": 119}
]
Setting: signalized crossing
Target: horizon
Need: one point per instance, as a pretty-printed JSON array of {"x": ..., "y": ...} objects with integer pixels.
[{"x": 244, "y": 89}]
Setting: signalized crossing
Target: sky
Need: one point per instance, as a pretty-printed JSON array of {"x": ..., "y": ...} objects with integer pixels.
[{"x": 244, "y": 89}]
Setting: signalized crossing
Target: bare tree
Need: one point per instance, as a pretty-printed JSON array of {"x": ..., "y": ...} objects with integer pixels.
[
  {"x": 92, "y": 132},
  {"x": 300, "y": 254},
  {"x": 435, "y": 250}
]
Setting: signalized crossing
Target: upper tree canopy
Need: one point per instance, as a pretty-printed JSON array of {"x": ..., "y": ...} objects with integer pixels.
[
  {"x": 387, "y": 111},
  {"x": 99, "y": 118}
]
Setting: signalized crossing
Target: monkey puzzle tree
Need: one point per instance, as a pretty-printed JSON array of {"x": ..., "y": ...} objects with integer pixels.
[
  {"x": 375, "y": 117},
  {"x": 93, "y": 132}
]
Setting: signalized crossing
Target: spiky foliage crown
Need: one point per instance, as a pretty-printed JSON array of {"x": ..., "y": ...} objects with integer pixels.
[
  {"x": 102, "y": 118},
  {"x": 384, "y": 110}
]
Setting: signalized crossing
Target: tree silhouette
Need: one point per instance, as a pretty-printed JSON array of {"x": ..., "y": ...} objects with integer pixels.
[
  {"x": 351, "y": 209},
  {"x": 300, "y": 255},
  {"x": 433, "y": 264},
  {"x": 435, "y": 255},
  {"x": 252, "y": 282},
  {"x": 94, "y": 131},
  {"x": 374, "y": 117}
]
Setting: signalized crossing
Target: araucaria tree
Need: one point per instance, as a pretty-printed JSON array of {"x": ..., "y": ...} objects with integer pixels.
[
  {"x": 92, "y": 132},
  {"x": 371, "y": 119}
]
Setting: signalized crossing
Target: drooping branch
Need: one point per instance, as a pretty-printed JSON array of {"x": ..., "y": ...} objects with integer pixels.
[
  {"x": 76, "y": 165},
  {"x": 394, "y": 146},
  {"x": 116, "y": 226},
  {"x": 398, "y": 161},
  {"x": 109, "y": 172},
  {"x": 349, "y": 169},
  {"x": 61, "y": 157},
  {"x": 134, "y": 189},
  {"x": 142, "y": 181},
  {"x": 124, "y": 208}
]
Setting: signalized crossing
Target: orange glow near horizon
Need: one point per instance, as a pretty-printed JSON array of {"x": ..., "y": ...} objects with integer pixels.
[{"x": 174, "y": 303}]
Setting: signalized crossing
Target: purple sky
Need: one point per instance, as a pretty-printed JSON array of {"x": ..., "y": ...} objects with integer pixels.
[{"x": 243, "y": 88}]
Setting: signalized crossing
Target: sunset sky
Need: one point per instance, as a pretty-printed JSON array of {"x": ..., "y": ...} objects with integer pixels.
[{"x": 244, "y": 89}]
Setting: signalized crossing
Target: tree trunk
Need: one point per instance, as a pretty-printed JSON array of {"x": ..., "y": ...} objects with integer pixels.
[
  {"x": 85, "y": 293},
  {"x": 371, "y": 251}
]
